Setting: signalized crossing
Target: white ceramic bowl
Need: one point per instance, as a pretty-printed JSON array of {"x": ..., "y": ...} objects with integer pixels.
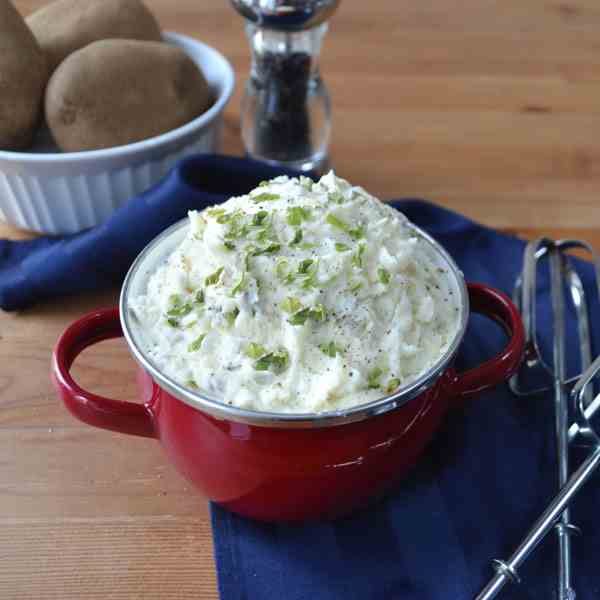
[{"x": 50, "y": 192}]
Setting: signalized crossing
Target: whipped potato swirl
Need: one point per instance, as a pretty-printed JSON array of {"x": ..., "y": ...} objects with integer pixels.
[{"x": 298, "y": 297}]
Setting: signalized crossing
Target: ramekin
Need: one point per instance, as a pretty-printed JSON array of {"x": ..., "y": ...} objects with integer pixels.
[{"x": 60, "y": 193}]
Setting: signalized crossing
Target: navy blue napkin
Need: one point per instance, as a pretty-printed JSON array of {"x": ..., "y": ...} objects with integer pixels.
[{"x": 481, "y": 483}]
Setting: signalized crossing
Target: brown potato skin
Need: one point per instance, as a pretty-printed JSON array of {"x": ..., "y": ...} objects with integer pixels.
[
  {"x": 116, "y": 92},
  {"x": 23, "y": 76},
  {"x": 65, "y": 26}
]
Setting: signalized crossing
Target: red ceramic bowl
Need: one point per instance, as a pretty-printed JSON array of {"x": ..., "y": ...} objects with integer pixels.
[{"x": 275, "y": 466}]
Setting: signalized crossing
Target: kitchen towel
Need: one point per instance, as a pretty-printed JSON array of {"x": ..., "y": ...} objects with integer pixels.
[{"x": 481, "y": 483}]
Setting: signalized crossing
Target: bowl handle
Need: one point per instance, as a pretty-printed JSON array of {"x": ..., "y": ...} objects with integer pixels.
[
  {"x": 497, "y": 306},
  {"x": 125, "y": 417}
]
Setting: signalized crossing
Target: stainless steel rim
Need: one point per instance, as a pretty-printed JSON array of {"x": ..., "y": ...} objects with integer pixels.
[{"x": 221, "y": 410}]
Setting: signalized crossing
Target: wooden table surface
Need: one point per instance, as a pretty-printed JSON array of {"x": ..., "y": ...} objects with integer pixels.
[{"x": 491, "y": 108}]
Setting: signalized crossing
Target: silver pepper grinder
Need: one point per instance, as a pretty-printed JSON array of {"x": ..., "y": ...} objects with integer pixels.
[{"x": 286, "y": 110}]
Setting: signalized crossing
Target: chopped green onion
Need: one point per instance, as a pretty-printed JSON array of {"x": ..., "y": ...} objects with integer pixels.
[
  {"x": 393, "y": 385},
  {"x": 373, "y": 377},
  {"x": 259, "y": 218},
  {"x": 231, "y": 316},
  {"x": 229, "y": 245},
  {"x": 213, "y": 279},
  {"x": 195, "y": 345},
  {"x": 357, "y": 259},
  {"x": 300, "y": 317},
  {"x": 175, "y": 300},
  {"x": 180, "y": 311},
  {"x": 265, "y": 197},
  {"x": 191, "y": 383},
  {"x": 199, "y": 297},
  {"x": 240, "y": 286},
  {"x": 173, "y": 322},
  {"x": 318, "y": 312},
  {"x": 270, "y": 249},
  {"x": 190, "y": 325},
  {"x": 305, "y": 265},
  {"x": 291, "y": 305},
  {"x": 297, "y": 237},
  {"x": 330, "y": 349},
  {"x": 216, "y": 212},
  {"x": 356, "y": 286},
  {"x": 281, "y": 268},
  {"x": 384, "y": 275},
  {"x": 336, "y": 222},
  {"x": 307, "y": 246},
  {"x": 263, "y": 184},
  {"x": 225, "y": 218},
  {"x": 297, "y": 214},
  {"x": 341, "y": 247},
  {"x": 255, "y": 350},
  {"x": 274, "y": 361}
]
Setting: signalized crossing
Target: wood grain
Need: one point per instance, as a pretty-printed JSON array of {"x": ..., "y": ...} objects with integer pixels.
[{"x": 490, "y": 108}]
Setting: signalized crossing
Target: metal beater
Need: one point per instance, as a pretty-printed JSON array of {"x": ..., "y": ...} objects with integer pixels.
[{"x": 557, "y": 514}]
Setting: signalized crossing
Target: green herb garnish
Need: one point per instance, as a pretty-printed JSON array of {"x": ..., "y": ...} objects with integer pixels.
[
  {"x": 317, "y": 313},
  {"x": 216, "y": 212},
  {"x": 265, "y": 197},
  {"x": 270, "y": 249},
  {"x": 393, "y": 385},
  {"x": 259, "y": 218},
  {"x": 180, "y": 311},
  {"x": 263, "y": 184},
  {"x": 191, "y": 383},
  {"x": 274, "y": 361},
  {"x": 172, "y": 322},
  {"x": 384, "y": 275},
  {"x": 373, "y": 377},
  {"x": 291, "y": 305},
  {"x": 355, "y": 233},
  {"x": 281, "y": 269},
  {"x": 213, "y": 279},
  {"x": 341, "y": 247},
  {"x": 357, "y": 259},
  {"x": 229, "y": 245},
  {"x": 330, "y": 349},
  {"x": 356, "y": 286},
  {"x": 199, "y": 297},
  {"x": 297, "y": 214},
  {"x": 240, "y": 286},
  {"x": 255, "y": 350},
  {"x": 300, "y": 317},
  {"x": 305, "y": 265},
  {"x": 195, "y": 345},
  {"x": 231, "y": 316},
  {"x": 297, "y": 237}
]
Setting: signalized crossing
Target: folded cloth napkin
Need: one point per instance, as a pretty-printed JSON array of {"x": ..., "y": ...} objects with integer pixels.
[
  {"x": 472, "y": 497},
  {"x": 475, "y": 492}
]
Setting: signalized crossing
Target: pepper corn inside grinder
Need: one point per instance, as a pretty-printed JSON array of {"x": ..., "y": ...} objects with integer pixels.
[{"x": 286, "y": 110}]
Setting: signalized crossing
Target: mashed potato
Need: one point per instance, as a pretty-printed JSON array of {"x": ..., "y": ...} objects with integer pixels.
[{"x": 298, "y": 297}]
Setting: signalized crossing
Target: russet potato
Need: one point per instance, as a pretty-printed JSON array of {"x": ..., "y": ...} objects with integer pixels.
[
  {"x": 23, "y": 76},
  {"x": 115, "y": 92},
  {"x": 65, "y": 26}
]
